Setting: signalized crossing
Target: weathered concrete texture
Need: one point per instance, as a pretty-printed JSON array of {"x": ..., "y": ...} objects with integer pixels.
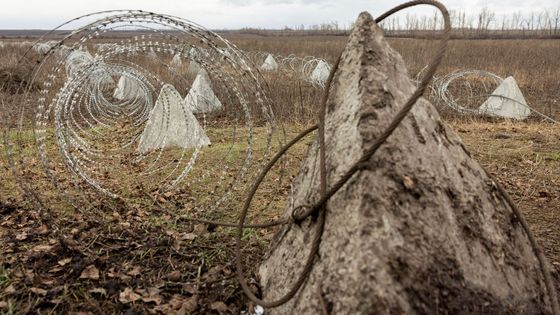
[
  {"x": 269, "y": 64},
  {"x": 507, "y": 101},
  {"x": 194, "y": 68},
  {"x": 176, "y": 61},
  {"x": 201, "y": 98},
  {"x": 152, "y": 54},
  {"x": 41, "y": 48},
  {"x": 321, "y": 73},
  {"x": 171, "y": 123},
  {"x": 128, "y": 89},
  {"x": 78, "y": 60},
  {"x": 423, "y": 230},
  {"x": 75, "y": 61}
]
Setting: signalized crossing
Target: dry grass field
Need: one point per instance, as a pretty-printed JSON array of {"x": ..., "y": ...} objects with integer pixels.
[
  {"x": 152, "y": 260},
  {"x": 533, "y": 63}
]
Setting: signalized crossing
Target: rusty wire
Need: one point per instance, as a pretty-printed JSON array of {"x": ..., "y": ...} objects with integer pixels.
[
  {"x": 326, "y": 194},
  {"x": 319, "y": 209}
]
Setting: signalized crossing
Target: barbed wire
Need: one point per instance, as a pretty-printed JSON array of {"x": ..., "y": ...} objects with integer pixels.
[
  {"x": 95, "y": 126},
  {"x": 327, "y": 191},
  {"x": 312, "y": 69},
  {"x": 469, "y": 101},
  {"x": 89, "y": 119}
]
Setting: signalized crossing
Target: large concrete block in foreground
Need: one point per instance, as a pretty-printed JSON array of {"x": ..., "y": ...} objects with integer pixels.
[{"x": 422, "y": 230}]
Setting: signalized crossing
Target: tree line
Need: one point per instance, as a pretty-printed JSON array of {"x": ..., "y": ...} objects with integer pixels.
[{"x": 485, "y": 23}]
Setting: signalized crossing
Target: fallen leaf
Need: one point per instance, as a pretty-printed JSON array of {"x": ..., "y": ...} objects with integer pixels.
[
  {"x": 22, "y": 236},
  {"x": 134, "y": 271},
  {"x": 65, "y": 261},
  {"x": 153, "y": 291},
  {"x": 159, "y": 283},
  {"x": 177, "y": 245},
  {"x": 128, "y": 296},
  {"x": 10, "y": 289},
  {"x": 38, "y": 291},
  {"x": 174, "y": 275},
  {"x": 113, "y": 274},
  {"x": 90, "y": 273},
  {"x": 200, "y": 229},
  {"x": 3, "y": 305},
  {"x": 55, "y": 270},
  {"x": 100, "y": 291},
  {"x": 152, "y": 295},
  {"x": 176, "y": 302},
  {"x": 189, "y": 306},
  {"x": 179, "y": 305},
  {"x": 47, "y": 282},
  {"x": 188, "y": 236},
  {"x": 29, "y": 275},
  {"x": 42, "y": 248},
  {"x": 220, "y": 307},
  {"x": 43, "y": 229},
  {"x": 189, "y": 288}
]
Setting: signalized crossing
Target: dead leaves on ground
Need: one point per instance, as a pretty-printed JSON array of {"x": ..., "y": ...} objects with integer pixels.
[
  {"x": 90, "y": 273},
  {"x": 177, "y": 304},
  {"x": 128, "y": 296},
  {"x": 80, "y": 266}
]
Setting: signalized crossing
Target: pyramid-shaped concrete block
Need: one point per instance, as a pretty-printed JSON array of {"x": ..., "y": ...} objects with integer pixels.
[
  {"x": 269, "y": 64},
  {"x": 176, "y": 61},
  {"x": 194, "y": 68},
  {"x": 171, "y": 123},
  {"x": 75, "y": 61},
  {"x": 152, "y": 54},
  {"x": 507, "y": 101},
  {"x": 201, "y": 98},
  {"x": 420, "y": 228},
  {"x": 128, "y": 89},
  {"x": 321, "y": 73}
]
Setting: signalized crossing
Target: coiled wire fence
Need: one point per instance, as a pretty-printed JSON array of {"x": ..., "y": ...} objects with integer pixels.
[{"x": 85, "y": 139}]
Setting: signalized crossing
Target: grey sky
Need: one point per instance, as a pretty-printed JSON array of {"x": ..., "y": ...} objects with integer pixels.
[{"x": 46, "y": 14}]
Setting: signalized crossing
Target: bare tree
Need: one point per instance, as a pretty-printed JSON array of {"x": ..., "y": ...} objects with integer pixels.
[
  {"x": 516, "y": 22},
  {"x": 483, "y": 23},
  {"x": 485, "y": 18},
  {"x": 556, "y": 20}
]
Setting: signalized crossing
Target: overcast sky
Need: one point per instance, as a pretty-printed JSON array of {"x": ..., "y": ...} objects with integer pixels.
[{"x": 232, "y": 14}]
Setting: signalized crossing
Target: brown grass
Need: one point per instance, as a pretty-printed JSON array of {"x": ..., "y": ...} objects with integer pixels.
[
  {"x": 533, "y": 63},
  {"x": 524, "y": 156}
]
